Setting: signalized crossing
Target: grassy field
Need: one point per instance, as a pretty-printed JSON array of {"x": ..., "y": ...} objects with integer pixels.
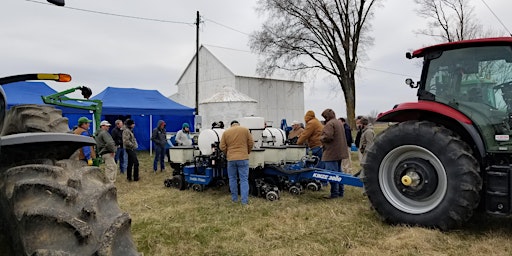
[{"x": 167, "y": 221}]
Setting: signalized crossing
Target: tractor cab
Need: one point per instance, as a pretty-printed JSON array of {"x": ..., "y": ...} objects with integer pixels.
[{"x": 477, "y": 81}]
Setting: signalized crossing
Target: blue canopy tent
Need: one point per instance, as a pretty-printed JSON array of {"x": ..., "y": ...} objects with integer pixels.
[
  {"x": 20, "y": 93},
  {"x": 145, "y": 107}
]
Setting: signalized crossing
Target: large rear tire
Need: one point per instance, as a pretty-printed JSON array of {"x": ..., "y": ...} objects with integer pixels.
[
  {"x": 418, "y": 173},
  {"x": 63, "y": 209},
  {"x": 58, "y": 208},
  {"x": 34, "y": 118}
]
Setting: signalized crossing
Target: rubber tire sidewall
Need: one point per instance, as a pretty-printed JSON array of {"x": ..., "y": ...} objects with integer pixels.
[{"x": 461, "y": 168}]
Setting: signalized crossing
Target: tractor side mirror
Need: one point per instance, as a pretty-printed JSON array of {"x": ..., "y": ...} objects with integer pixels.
[
  {"x": 57, "y": 2},
  {"x": 410, "y": 83}
]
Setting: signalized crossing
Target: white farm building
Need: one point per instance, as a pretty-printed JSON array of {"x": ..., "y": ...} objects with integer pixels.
[{"x": 229, "y": 90}]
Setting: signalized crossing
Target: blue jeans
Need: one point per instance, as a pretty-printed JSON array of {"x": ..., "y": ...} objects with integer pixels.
[
  {"x": 337, "y": 189},
  {"x": 122, "y": 158},
  {"x": 240, "y": 167},
  {"x": 159, "y": 157},
  {"x": 317, "y": 151}
]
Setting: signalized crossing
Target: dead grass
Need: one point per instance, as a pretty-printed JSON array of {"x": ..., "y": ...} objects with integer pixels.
[{"x": 171, "y": 222}]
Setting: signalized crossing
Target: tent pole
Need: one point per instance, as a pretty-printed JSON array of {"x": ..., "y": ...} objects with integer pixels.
[{"x": 150, "y": 130}]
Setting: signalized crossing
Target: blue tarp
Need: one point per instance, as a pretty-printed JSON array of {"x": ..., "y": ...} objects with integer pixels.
[
  {"x": 145, "y": 107},
  {"x": 30, "y": 93}
]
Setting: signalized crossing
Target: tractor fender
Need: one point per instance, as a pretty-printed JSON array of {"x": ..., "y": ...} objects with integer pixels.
[
  {"x": 15, "y": 147},
  {"x": 437, "y": 113}
]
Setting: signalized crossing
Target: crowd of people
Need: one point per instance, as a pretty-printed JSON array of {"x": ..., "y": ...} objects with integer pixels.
[{"x": 329, "y": 140}]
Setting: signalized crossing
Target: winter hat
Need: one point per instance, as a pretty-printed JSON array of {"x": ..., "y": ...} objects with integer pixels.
[
  {"x": 185, "y": 125},
  {"x": 129, "y": 122}
]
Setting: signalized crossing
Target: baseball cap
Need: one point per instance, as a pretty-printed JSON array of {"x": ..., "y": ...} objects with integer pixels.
[
  {"x": 295, "y": 122},
  {"x": 105, "y": 122},
  {"x": 83, "y": 120}
]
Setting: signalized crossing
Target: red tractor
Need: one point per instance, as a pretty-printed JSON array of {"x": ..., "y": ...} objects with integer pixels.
[{"x": 450, "y": 151}]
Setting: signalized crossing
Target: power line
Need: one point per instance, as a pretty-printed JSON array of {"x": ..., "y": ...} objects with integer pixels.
[
  {"x": 496, "y": 16},
  {"x": 117, "y": 15},
  {"x": 384, "y": 71},
  {"x": 193, "y": 23},
  {"x": 222, "y": 25}
]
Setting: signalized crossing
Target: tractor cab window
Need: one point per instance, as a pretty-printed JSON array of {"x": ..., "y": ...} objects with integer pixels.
[{"x": 472, "y": 77}]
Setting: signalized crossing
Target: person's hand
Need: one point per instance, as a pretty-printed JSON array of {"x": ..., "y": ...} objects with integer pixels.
[{"x": 89, "y": 162}]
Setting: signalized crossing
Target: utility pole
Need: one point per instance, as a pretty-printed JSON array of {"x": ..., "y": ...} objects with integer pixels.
[
  {"x": 197, "y": 63},
  {"x": 197, "y": 117}
]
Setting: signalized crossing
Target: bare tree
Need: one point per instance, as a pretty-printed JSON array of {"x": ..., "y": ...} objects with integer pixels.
[
  {"x": 327, "y": 35},
  {"x": 372, "y": 116},
  {"x": 449, "y": 20}
]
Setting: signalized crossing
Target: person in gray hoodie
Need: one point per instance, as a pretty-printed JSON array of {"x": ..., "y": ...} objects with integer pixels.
[{"x": 159, "y": 138}]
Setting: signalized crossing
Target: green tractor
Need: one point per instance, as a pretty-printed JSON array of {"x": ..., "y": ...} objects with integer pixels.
[
  {"x": 49, "y": 204},
  {"x": 451, "y": 151}
]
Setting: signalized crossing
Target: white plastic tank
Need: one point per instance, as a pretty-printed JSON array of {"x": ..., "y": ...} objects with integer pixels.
[
  {"x": 273, "y": 137},
  {"x": 208, "y": 137}
]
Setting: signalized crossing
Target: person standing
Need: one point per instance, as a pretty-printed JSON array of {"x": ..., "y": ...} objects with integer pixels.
[
  {"x": 183, "y": 136},
  {"x": 86, "y": 153},
  {"x": 311, "y": 136},
  {"x": 121, "y": 157},
  {"x": 237, "y": 143},
  {"x": 358, "y": 137},
  {"x": 346, "y": 164},
  {"x": 159, "y": 137},
  {"x": 294, "y": 134},
  {"x": 333, "y": 141},
  {"x": 367, "y": 136},
  {"x": 106, "y": 149},
  {"x": 130, "y": 145}
]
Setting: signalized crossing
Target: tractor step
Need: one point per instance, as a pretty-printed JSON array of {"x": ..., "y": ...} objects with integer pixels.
[{"x": 497, "y": 194}]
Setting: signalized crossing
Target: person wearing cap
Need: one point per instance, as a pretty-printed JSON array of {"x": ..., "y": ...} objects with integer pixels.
[
  {"x": 296, "y": 131},
  {"x": 183, "y": 136},
  {"x": 106, "y": 149},
  {"x": 86, "y": 153},
  {"x": 130, "y": 145},
  {"x": 311, "y": 136},
  {"x": 159, "y": 137},
  {"x": 237, "y": 143}
]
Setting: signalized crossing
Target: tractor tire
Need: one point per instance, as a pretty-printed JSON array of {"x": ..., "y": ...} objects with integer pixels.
[
  {"x": 64, "y": 208},
  {"x": 421, "y": 174},
  {"x": 50, "y": 207},
  {"x": 34, "y": 118}
]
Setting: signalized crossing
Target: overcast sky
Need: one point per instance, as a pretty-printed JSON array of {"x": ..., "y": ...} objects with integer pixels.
[{"x": 104, "y": 50}]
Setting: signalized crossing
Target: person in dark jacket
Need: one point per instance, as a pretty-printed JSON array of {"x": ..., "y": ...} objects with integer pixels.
[
  {"x": 121, "y": 157},
  {"x": 333, "y": 141},
  {"x": 346, "y": 164},
  {"x": 159, "y": 137},
  {"x": 130, "y": 145}
]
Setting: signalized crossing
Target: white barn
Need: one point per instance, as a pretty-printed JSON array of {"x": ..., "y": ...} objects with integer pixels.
[{"x": 220, "y": 68}]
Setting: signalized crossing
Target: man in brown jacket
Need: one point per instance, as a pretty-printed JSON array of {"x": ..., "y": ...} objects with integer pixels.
[
  {"x": 237, "y": 143},
  {"x": 334, "y": 143},
  {"x": 311, "y": 136}
]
